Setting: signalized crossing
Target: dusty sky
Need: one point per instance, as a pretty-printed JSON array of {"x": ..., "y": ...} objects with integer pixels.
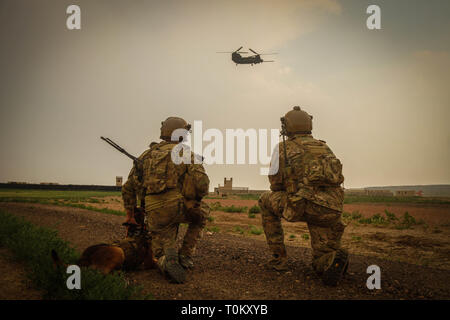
[{"x": 380, "y": 99}]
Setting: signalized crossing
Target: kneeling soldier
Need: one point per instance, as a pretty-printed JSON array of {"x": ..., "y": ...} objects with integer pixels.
[
  {"x": 306, "y": 187},
  {"x": 173, "y": 195}
]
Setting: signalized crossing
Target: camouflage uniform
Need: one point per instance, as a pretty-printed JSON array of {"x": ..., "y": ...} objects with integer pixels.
[
  {"x": 133, "y": 191},
  {"x": 138, "y": 239},
  {"x": 166, "y": 207},
  {"x": 294, "y": 199}
]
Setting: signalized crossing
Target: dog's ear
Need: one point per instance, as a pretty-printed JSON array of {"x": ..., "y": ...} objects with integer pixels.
[{"x": 56, "y": 260}]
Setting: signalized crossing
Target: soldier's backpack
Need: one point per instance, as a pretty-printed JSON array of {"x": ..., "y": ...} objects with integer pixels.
[
  {"x": 321, "y": 167},
  {"x": 196, "y": 182},
  {"x": 160, "y": 173}
]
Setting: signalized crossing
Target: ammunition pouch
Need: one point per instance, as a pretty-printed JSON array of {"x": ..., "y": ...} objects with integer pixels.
[
  {"x": 294, "y": 209},
  {"x": 196, "y": 211}
]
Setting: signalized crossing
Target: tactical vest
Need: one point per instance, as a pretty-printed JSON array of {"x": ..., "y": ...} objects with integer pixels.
[
  {"x": 313, "y": 163},
  {"x": 160, "y": 173},
  {"x": 314, "y": 171}
]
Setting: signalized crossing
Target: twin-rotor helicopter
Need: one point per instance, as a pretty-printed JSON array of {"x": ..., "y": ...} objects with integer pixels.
[{"x": 252, "y": 59}]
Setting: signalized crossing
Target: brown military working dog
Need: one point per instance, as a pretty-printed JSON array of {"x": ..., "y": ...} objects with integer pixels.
[{"x": 127, "y": 254}]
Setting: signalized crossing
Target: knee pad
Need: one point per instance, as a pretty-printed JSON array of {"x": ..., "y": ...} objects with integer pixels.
[{"x": 264, "y": 200}]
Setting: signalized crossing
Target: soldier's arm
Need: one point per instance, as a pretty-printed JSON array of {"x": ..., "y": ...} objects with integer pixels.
[
  {"x": 201, "y": 180},
  {"x": 276, "y": 169},
  {"x": 129, "y": 191}
]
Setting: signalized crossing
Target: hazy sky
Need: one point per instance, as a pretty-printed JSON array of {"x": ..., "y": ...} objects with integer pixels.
[{"x": 379, "y": 98}]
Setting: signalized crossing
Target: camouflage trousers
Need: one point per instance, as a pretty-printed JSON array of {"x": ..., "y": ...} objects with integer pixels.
[
  {"x": 324, "y": 224},
  {"x": 165, "y": 212}
]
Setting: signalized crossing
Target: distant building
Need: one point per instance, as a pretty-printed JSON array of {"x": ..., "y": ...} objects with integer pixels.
[
  {"x": 355, "y": 192},
  {"x": 49, "y": 183},
  {"x": 228, "y": 188},
  {"x": 369, "y": 192},
  {"x": 405, "y": 193},
  {"x": 380, "y": 193},
  {"x": 119, "y": 181}
]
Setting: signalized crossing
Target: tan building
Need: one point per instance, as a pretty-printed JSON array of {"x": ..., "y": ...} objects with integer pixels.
[
  {"x": 228, "y": 188},
  {"x": 380, "y": 193},
  {"x": 405, "y": 193},
  {"x": 355, "y": 192}
]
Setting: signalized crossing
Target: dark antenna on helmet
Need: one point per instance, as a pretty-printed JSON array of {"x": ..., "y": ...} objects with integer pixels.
[{"x": 288, "y": 177}]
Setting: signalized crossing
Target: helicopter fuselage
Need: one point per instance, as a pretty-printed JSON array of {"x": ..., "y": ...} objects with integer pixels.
[{"x": 238, "y": 59}]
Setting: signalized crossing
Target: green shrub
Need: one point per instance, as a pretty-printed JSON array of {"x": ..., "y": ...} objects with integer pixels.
[
  {"x": 215, "y": 229},
  {"x": 407, "y": 221},
  {"x": 32, "y": 245},
  {"x": 215, "y": 206},
  {"x": 251, "y": 215},
  {"x": 390, "y": 216},
  {"x": 254, "y": 209},
  {"x": 232, "y": 208},
  {"x": 356, "y": 215},
  {"x": 305, "y": 236},
  {"x": 377, "y": 219},
  {"x": 255, "y": 230},
  {"x": 292, "y": 236},
  {"x": 238, "y": 229}
]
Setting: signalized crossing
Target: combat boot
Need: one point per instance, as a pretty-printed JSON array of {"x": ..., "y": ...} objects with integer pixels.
[
  {"x": 279, "y": 260},
  {"x": 186, "y": 261},
  {"x": 337, "y": 269},
  {"x": 169, "y": 265}
]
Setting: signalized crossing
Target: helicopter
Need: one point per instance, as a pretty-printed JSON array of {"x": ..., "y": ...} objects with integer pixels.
[{"x": 253, "y": 59}]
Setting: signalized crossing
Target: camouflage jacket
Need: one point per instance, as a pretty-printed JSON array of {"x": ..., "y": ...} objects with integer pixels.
[
  {"x": 290, "y": 178},
  {"x": 160, "y": 174},
  {"x": 133, "y": 190}
]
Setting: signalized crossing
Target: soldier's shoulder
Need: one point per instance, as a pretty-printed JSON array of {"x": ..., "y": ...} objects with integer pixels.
[
  {"x": 197, "y": 159},
  {"x": 153, "y": 145},
  {"x": 144, "y": 154}
]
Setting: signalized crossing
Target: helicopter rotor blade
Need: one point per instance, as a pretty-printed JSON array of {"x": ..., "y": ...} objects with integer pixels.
[
  {"x": 238, "y": 49},
  {"x": 268, "y": 60},
  {"x": 231, "y": 52},
  {"x": 253, "y": 51},
  {"x": 265, "y": 54}
]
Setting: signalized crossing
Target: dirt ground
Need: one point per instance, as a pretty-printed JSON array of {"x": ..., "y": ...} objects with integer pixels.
[
  {"x": 230, "y": 266},
  {"x": 426, "y": 244}
]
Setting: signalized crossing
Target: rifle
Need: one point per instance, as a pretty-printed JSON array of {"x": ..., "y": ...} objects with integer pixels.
[
  {"x": 120, "y": 149},
  {"x": 138, "y": 164}
]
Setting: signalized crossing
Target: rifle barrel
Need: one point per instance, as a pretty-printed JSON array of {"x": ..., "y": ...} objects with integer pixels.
[{"x": 119, "y": 148}]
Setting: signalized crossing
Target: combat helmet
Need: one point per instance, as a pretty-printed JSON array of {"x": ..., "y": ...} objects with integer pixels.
[
  {"x": 171, "y": 124},
  {"x": 296, "y": 121}
]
